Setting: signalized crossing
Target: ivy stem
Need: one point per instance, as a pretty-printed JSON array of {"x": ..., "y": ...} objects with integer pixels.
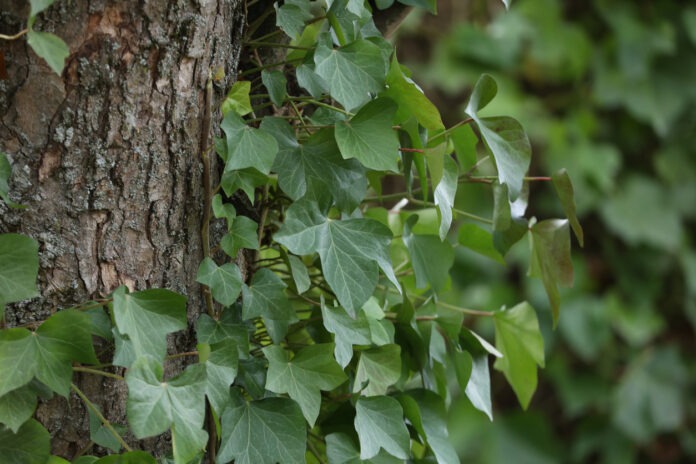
[
  {"x": 182, "y": 355},
  {"x": 101, "y": 417},
  {"x": 411, "y": 150},
  {"x": 315, "y": 452},
  {"x": 97, "y": 372},
  {"x": 337, "y": 29},
  {"x": 207, "y": 189},
  {"x": 15, "y": 36},
  {"x": 327, "y": 106},
  {"x": 447, "y": 131},
  {"x": 465, "y": 214},
  {"x": 299, "y": 115}
]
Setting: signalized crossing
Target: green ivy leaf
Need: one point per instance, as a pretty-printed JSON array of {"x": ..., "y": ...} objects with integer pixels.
[
  {"x": 292, "y": 16},
  {"x": 46, "y": 354},
  {"x": 211, "y": 331},
  {"x": 551, "y": 258},
  {"x": 155, "y": 405},
  {"x": 19, "y": 266},
  {"x": 379, "y": 422},
  {"x": 430, "y": 5},
  {"x": 312, "y": 82},
  {"x": 431, "y": 258},
  {"x": 348, "y": 331},
  {"x": 221, "y": 370},
  {"x": 243, "y": 233},
  {"x": 564, "y": 189},
  {"x": 147, "y": 317},
  {"x": 478, "y": 388},
  {"x": 267, "y": 431},
  {"x": 479, "y": 240},
  {"x": 50, "y": 47},
  {"x": 237, "y": 99},
  {"x": 246, "y": 180},
  {"x": 444, "y": 194},
  {"x": 223, "y": 210},
  {"x": 276, "y": 84},
  {"x": 315, "y": 169},
  {"x": 379, "y": 368},
  {"x": 225, "y": 282},
  {"x": 369, "y": 136},
  {"x": 343, "y": 449},
  {"x": 132, "y": 457},
  {"x": 17, "y": 407},
  {"x": 5, "y": 173},
  {"x": 350, "y": 250},
  {"x": 312, "y": 369},
  {"x": 247, "y": 147},
  {"x": 300, "y": 274},
  {"x": 265, "y": 297},
  {"x": 30, "y": 445},
  {"x": 518, "y": 338},
  {"x": 503, "y": 135},
  {"x": 37, "y": 6},
  {"x": 464, "y": 141},
  {"x": 101, "y": 435},
  {"x": 352, "y": 72}
]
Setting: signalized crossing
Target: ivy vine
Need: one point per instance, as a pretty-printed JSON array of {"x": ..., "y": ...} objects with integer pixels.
[{"x": 343, "y": 345}]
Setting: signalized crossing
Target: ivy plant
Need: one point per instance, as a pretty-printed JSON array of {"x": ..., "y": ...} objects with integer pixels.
[{"x": 342, "y": 344}]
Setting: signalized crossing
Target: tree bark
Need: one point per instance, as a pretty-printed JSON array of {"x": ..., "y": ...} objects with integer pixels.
[{"x": 107, "y": 159}]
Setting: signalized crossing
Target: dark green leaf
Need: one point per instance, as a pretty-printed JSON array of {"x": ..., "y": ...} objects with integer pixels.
[
  {"x": 30, "y": 445},
  {"x": 267, "y": 431},
  {"x": 247, "y": 147},
  {"x": 504, "y": 240},
  {"x": 312, "y": 82},
  {"x": 379, "y": 368},
  {"x": 246, "y": 180},
  {"x": 350, "y": 250},
  {"x": 155, "y": 405},
  {"x": 19, "y": 266},
  {"x": 380, "y": 423},
  {"x": 243, "y": 234},
  {"x": 430, "y": 5},
  {"x": 292, "y": 16},
  {"x": 265, "y": 297},
  {"x": 431, "y": 258},
  {"x": 312, "y": 369},
  {"x": 225, "y": 282},
  {"x": 132, "y": 457},
  {"x": 342, "y": 449},
  {"x": 17, "y": 407},
  {"x": 101, "y": 435},
  {"x": 237, "y": 100},
  {"x": 300, "y": 275},
  {"x": 479, "y": 240},
  {"x": 276, "y": 83},
  {"x": 221, "y": 370},
  {"x": 564, "y": 189},
  {"x": 50, "y": 47},
  {"x": 369, "y": 137},
  {"x": 518, "y": 338},
  {"x": 347, "y": 331},
  {"x": 223, "y": 210},
  {"x": 211, "y": 331}
]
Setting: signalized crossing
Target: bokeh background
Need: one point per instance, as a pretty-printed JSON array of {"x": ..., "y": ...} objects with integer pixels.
[{"x": 606, "y": 89}]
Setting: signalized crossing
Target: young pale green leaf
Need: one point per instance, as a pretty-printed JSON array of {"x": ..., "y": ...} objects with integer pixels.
[
  {"x": 353, "y": 72},
  {"x": 155, "y": 405},
  {"x": 246, "y": 180},
  {"x": 243, "y": 233},
  {"x": 379, "y": 422},
  {"x": 276, "y": 84},
  {"x": 247, "y": 147},
  {"x": 343, "y": 449},
  {"x": 479, "y": 240},
  {"x": 551, "y": 258},
  {"x": 315, "y": 169},
  {"x": 369, "y": 136},
  {"x": 431, "y": 258},
  {"x": 312, "y": 369},
  {"x": 378, "y": 369},
  {"x": 426, "y": 411},
  {"x": 265, "y": 297},
  {"x": 225, "y": 282},
  {"x": 50, "y": 47},
  {"x": 221, "y": 370},
  {"x": 348, "y": 331},
  {"x": 292, "y": 16},
  {"x": 300, "y": 274},
  {"x": 465, "y": 141},
  {"x": 237, "y": 99},
  {"x": 46, "y": 354},
  {"x": 31, "y": 444},
  {"x": 410, "y": 99},
  {"x": 17, "y": 407},
  {"x": 444, "y": 194},
  {"x": 564, "y": 189},
  {"x": 19, "y": 266},
  {"x": 147, "y": 317},
  {"x": 5, "y": 173},
  {"x": 37, "y": 6},
  {"x": 266, "y": 431},
  {"x": 518, "y": 338},
  {"x": 350, "y": 250}
]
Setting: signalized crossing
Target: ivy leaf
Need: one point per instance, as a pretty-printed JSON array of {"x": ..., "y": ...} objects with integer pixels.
[
  {"x": 312, "y": 82},
  {"x": 426, "y": 411},
  {"x": 430, "y": 5},
  {"x": 352, "y": 72},
  {"x": 347, "y": 331},
  {"x": 221, "y": 364},
  {"x": 518, "y": 338},
  {"x": 247, "y": 147},
  {"x": 265, "y": 297},
  {"x": 225, "y": 282},
  {"x": 266, "y": 431},
  {"x": 292, "y": 16},
  {"x": 342, "y": 449},
  {"x": 46, "y": 354},
  {"x": 50, "y": 47},
  {"x": 551, "y": 258},
  {"x": 410, "y": 99},
  {"x": 147, "y": 317},
  {"x": 369, "y": 136},
  {"x": 17, "y": 407},
  {"x": 431, "y": 258},
  {"x": 211, "y": 331},
  {"x": 37, "y": 6},
  {"x": 379, "y": 422},
  {"x": 243, "y": 233},
  {"x": 246, "y": 180},
  {"x": 276, "y": 84},
  {"x": 503, "y": 135},
  {"x": 132, "y": 457},
  {"x": 479, "y": 240},
  {"x": 564, "y": 189},
  {"x": 237, "y": 99},
  {"x": 155, "y": 405},
  {"x": 101, "y": 435},
  {"x": 300, "y": 274},
  {"x": 444, "y": 194},
  {"x": 350, "y": 250},
  {"x": 19, "y": 266},
  {"x": 30, "y": 445},
  {"x": 478, "y": 386},
  {"x": 379, "y": 368},
  {"x": 5, "y": 173},
  {"x": 315, "y": 169},
  {"x": 312, "y": 369}
]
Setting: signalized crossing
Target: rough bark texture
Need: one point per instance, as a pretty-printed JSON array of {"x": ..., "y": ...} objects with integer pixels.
[{"x": 106, "y": 157}]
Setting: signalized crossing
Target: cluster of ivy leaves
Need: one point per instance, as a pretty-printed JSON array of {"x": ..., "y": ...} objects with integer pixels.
[{"x": 342, "y": 345}]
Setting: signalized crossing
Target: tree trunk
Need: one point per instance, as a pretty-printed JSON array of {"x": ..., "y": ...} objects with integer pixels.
[{"x": 107, "y": 159}]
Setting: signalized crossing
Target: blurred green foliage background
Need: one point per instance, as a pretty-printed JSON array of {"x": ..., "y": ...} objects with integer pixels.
[{"x": 606, "y": 89}]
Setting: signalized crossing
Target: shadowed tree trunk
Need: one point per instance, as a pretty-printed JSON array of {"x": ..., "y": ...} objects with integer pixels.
[{"x": 107, "y": 159}]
